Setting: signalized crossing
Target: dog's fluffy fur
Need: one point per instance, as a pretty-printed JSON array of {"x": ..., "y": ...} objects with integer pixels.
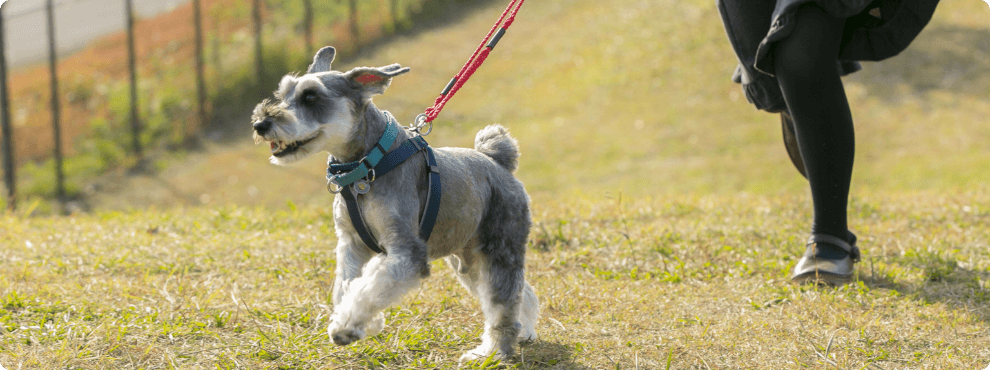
[{"x": 481, "y": 229}]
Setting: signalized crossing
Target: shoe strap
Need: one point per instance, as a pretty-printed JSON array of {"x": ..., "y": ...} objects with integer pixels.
[{"x": 836, "y": 241}]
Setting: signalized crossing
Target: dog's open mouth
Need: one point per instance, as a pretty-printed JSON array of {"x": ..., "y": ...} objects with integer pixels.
[{"x": 281, "y": 148}]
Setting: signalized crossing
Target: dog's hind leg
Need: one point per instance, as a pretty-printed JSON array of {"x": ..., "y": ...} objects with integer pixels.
[
  {"x": 498, "y": 288},
  {"x": 529, "y": 314},
  {"x": 469, "y": 274},
  {"x": 501, "y": 284},
  {"x": 466, "y": 270}
]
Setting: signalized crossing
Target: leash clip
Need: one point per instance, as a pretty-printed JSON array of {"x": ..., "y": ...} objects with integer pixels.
[{"x": 419, "y": 123}]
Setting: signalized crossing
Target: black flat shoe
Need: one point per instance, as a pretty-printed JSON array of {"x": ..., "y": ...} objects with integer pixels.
[{"x": 828, "y": 259}]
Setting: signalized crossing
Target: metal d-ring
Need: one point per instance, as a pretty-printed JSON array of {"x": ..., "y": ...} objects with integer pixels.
[
  {"x": 371, "y": 176},
  {"x": 428, "y": 131},
  {"x": 331, "y": 182}
]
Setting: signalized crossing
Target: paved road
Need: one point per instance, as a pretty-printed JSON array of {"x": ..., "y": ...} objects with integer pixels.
[{"x": 77, "y": 22}]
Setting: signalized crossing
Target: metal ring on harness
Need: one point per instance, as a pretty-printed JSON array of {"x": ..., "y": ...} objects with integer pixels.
[
  {"x": 371, "y": 175},
  {"x": 333, "y": 182}
]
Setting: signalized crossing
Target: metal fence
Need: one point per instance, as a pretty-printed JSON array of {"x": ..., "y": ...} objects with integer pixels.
[{"x": 136, "y": 128}]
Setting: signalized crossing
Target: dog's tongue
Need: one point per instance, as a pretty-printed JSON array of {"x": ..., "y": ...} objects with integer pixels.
[{"x": 272, "y": 145}]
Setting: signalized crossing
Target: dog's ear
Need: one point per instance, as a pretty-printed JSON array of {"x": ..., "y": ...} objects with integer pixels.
[
  {"x": 322, "y": 60},
  {"x": 373, "y": 81}
]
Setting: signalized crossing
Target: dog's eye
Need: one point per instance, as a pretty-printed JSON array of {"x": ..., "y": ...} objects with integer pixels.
[{"x": 310, "y": 97}]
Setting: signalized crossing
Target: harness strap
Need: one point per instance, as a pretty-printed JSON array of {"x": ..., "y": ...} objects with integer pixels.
[
  {"x": 391, "y": 160},
  {"x": 385, "y": 164},
  {"x": 432, "y": 198},
  {"x": 825, "y": 238},
  {"x": 400, "y": 154},
  {"x": 362, "y": 168},
  {"x": 354, "y": 211}
]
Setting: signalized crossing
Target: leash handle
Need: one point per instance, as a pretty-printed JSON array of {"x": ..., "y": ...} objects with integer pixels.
[{"x": 473, "y": 63}]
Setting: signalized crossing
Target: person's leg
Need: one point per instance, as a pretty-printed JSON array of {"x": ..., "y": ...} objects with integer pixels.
[{"x": 806, "y": 69}]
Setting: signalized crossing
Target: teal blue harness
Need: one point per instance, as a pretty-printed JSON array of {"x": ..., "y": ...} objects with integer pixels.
[{"x": 354, "y": 179}]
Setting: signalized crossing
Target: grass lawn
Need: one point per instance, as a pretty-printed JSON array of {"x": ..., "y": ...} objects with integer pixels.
[
  {"x": 667, "y": 217},
  {"x": 696, "y": 282}
]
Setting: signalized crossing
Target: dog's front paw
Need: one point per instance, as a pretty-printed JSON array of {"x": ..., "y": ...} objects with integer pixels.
[
  {"x": 343, "y": 335},
  {"x": 344, "y": 330}
]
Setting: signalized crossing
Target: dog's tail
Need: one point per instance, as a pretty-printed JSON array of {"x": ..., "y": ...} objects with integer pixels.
[{"x": 495, "y": 142}]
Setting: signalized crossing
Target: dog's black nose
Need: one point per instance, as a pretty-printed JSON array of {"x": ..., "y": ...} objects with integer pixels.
[{"x": 262, "y": 127}]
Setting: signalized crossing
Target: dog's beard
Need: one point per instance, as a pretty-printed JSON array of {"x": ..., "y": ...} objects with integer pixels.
[{"x": 334, "y": 133}]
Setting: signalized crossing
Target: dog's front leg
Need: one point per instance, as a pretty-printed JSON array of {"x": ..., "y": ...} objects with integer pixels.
[
  {"x": 381, "y": 283},
  {"x": 351, "y": 258}
]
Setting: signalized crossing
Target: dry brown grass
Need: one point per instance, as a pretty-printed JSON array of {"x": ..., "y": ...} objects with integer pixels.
[{"x": 701, "y": 281}]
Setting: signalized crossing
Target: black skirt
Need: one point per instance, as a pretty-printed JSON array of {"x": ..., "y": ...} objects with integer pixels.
[{"x": 874, "y": 30}]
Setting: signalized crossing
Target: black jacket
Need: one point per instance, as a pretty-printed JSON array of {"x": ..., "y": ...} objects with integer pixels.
[{"x": 874, "y": 30}]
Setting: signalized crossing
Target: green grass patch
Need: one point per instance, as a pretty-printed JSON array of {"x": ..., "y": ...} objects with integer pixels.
[{"x": 627, "y": 284}]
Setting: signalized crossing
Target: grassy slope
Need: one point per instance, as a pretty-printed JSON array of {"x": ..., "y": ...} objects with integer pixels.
[
  {"x": 692, "y": 269},
  {"x": 575, "y": 103}
]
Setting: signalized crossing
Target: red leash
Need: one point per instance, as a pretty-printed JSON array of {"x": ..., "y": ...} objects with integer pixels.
[{"x": 479, "y": 56}]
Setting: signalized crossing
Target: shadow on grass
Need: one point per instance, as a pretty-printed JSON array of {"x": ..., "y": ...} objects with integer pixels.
[
  {"x": 956, "y": 287},
  {"x": 952, "y": 58},
  {"x": 548, "y": 355}
]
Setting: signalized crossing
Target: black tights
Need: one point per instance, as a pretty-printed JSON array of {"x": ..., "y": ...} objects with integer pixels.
[{"x": 805, "y": 64}]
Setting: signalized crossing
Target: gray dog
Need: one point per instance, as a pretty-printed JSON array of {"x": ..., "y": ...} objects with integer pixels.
[{"x": 481, "y": 228}]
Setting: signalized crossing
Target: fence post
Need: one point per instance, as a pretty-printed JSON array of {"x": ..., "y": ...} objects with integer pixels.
[
  {"x": 308, "y": 25},
  {"x": 258, "y": 58},
  {"x": 56, "y": 107},
  {"x": 8, "y": 133},
  {"x": 394, "y": 7},
  {"x": 200, "y": 78},
  {"x": 354, "y": 22},
  {"x": 135, "y": 125},
  {"x": 215, "y": 42}
]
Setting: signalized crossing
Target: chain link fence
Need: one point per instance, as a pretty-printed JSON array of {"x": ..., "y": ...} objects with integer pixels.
[{"x": 115, "y": 102}]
